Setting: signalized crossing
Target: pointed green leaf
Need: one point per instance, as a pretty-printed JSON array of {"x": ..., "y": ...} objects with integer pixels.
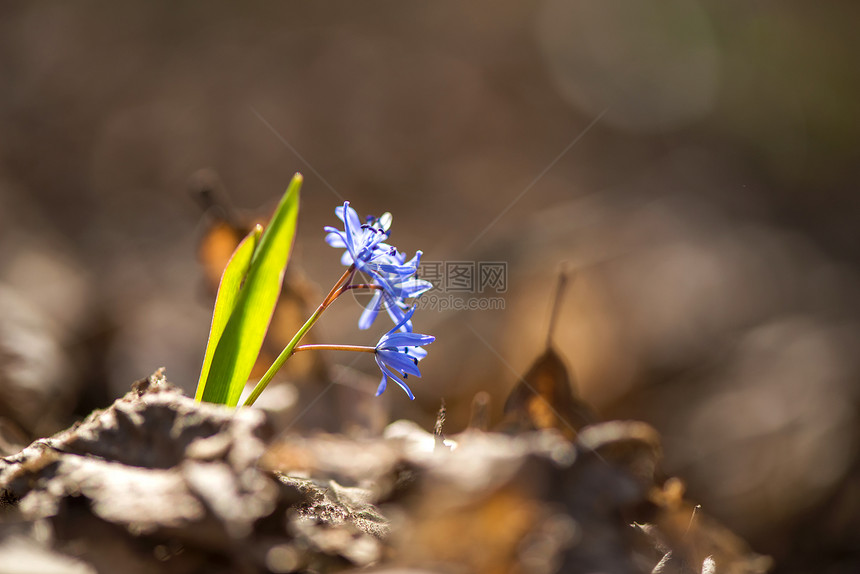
[
  {"x": 237, "y": 349},
  {"x": 228, "y": 292}
]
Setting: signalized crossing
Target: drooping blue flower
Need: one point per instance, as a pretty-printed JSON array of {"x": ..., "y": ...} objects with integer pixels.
[
  {"x": 397, "y": 354},
  {"x": 365, "y": 248},
  {"x": 396, "y": 306},
  {"x": 393, "y": 299}
]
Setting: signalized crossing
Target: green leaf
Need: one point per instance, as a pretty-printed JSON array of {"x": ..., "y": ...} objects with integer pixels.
[
  {"x": 237, "y": 348},
  {"x": 228, "y": 292}
]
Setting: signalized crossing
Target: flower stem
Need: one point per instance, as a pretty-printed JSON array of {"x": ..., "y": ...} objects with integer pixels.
[
  {"x": 358, "y": 348},
  {"x": 365, "y": 286},
  {"x": 291, "y": 347}
]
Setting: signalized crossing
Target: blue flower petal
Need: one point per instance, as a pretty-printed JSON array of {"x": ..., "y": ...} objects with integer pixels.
[
  {"x": 349, "y": 233},
  {"x": 406, "y": 317},
  {"x": 382, "y": 384},
  {"x": 335, "y": 239},
  {"x": 351, "y": 219},
  {"x": 399, "y": 270},
  {"x": 413, "y": 288},
  {"x": 407, "y": 340},
  {"x": 386, "y": 372},
  {"x": 368, "y": 316},
  {"x": 397, "y": 361},
  {"x": 398, "y": 315},
  {"x": 417, "y": 352}
]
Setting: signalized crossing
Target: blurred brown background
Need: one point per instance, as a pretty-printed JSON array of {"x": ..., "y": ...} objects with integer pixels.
[{"x": 696, "y": 162}]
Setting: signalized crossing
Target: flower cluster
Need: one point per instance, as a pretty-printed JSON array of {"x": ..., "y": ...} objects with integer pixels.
[
  {"x": 391, "y": 275},
  {"x": 393, "y": 281}
]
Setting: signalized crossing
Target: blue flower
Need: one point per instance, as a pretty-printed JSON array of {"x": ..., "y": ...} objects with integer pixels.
[
  {"x": 394, "y": 298},
  {"x": 396, "y": 306},
  {"x": 365, "y": 248},
  {"x": 363, "y": 242},
  {"x": 397, "y": 354}
]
